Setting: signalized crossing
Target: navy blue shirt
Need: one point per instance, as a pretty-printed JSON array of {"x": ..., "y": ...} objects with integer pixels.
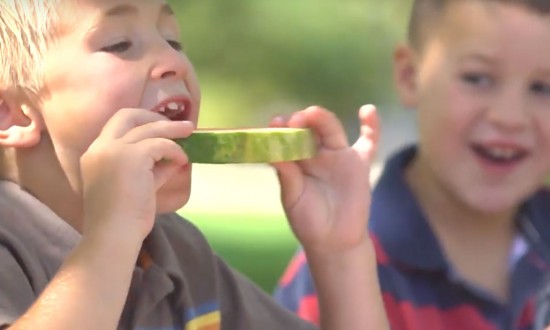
[{"x": 421, "y": 290}]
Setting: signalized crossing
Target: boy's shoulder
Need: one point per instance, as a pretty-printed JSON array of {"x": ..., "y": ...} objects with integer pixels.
[
  {"x": 33, "y": 244},
  {"x": 32, "y": 231},
  {"x": 534, "y": 221},
  {"x": 540, "y": 199}
]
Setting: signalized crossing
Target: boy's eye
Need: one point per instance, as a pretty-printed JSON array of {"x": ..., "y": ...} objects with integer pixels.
[
  {"x": 540, "y": 87},
  {"x": 175, "y": 44},
  {"x": 119, "y": 47},
  {"x": 477, "y": 79}
]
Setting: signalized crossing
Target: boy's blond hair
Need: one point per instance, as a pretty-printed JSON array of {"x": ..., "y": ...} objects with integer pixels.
[{"x": 26, "y": 28}]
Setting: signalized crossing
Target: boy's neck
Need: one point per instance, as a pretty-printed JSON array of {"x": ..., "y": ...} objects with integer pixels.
[{"x": 27, "y": 168}]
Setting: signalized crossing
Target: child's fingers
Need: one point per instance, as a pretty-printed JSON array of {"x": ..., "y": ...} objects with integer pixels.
[
  {"x": 167, "y": 151},
  {"x": 165, "y": 158},
  {"x": 369, "y": 133},
  {"x": 278, "y": 121},
  {"x": 159, "y": 129},
  {"x": 163, "y": 172},
  {"x": 135, "y": 159},
  {"x": 161, "y": 150},
  {"x": 326, "y": 125},
  {"x": 126, "y": 119},
  {"x": 370, "y": 122}
]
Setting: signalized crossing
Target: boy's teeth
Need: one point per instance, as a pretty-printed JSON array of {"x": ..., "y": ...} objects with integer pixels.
[
  {"x": 173, "y": 106},
  {"x": 503, "y": 153}
]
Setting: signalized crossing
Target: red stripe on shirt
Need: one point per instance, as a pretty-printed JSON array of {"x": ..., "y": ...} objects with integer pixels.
[
  {"x": 403, "y": 315},
  {"x": 381, "y": 256},
  {"x": 309, "y": 309},
  {"x": 527, "y": 315},
  {"x": 293, "y": 268}
]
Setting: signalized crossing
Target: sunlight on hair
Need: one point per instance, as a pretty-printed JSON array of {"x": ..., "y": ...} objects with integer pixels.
[{"x": 26, "y": 27}]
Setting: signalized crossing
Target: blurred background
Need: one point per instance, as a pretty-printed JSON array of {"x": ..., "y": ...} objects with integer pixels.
[{"x": 259, "y": 58}]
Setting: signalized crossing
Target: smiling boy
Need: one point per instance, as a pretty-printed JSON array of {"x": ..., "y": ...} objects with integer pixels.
[
  {"x": 461, "y": 218},
  {"x": 92, "y": 94}
]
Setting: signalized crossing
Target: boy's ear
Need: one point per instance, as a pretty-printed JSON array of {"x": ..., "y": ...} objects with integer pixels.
[
  {"x": 20, "y": 124},
  {"x": 405, "y": 72}
]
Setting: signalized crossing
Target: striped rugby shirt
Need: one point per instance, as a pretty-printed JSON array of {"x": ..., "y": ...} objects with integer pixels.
[
  {"x": 420, "y": 289},
  {"x": 183, "y": 284}
]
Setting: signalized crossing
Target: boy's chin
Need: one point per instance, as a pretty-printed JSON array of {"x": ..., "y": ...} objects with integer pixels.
[
  {"x": 169, "y": 204},
  {"x": 494, "y": 202},
  {"x": 171, "y": 198}
]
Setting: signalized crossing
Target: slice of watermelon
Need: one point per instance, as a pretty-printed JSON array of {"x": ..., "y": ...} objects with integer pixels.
[{"x": 250, "y": 145}]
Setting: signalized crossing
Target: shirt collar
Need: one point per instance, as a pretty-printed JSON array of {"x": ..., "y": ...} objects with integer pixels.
[
  {"x": 398, "y": 222},
  {"x": 534, "y": 222}
]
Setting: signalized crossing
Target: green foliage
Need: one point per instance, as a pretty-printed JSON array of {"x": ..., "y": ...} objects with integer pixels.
[{"x": 256, "y": 58}]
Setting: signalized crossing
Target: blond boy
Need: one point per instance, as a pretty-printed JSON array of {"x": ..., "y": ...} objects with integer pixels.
[{"x": 92, "y": 94}]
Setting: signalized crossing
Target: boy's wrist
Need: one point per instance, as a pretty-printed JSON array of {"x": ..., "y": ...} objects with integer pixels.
[
  {"x": 342, "y": 257},
  {"x": 113, "y": 236}
]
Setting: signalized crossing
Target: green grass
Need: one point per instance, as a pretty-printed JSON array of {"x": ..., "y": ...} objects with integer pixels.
[{"x": 260, "y": 246}]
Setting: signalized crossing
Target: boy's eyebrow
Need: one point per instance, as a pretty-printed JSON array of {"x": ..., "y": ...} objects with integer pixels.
[
  {"x": 485, "y": 58},
  {"x": 127, "y": 9}
]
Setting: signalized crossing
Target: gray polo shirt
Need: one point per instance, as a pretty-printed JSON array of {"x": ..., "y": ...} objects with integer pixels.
[{"x": 185, "y": 285}]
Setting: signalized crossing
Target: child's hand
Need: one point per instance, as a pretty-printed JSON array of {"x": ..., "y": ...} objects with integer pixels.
[
  {"x": 327, "y": 198},
  {"x": 126, "y": 165}
]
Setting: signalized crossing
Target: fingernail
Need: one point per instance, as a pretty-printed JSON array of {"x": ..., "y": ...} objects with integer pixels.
[
  {"x": 279, "y": 119},
  {"x": 299, "y": 119},
  {"x": 367, "y": 109}
]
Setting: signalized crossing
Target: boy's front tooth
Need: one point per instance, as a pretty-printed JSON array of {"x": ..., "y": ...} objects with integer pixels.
[
  {"x": 500, "y": 152},
  {"x": 172, "y": 106},
  {"x": 503, "y": 152}
]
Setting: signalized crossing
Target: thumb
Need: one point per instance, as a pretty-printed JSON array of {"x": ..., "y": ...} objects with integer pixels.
[{"x": 163, "y": 171}]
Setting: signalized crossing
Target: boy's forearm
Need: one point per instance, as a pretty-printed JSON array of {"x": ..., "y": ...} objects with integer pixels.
[
  {"x": 348, "y": 289},
  {"x": 90, "y": 289}
]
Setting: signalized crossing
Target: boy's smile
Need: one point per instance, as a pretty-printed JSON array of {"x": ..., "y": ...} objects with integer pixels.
[
  {"x": 481, "y": 87},
  {"x": 174, "y": 108}
]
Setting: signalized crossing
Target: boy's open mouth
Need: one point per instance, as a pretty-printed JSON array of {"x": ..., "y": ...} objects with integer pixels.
[
  {"x": 175, "y": 109},
  {"x": 499, "y": 155}
]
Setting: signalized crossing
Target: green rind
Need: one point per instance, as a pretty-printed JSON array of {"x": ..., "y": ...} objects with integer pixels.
[{"x": 255, "y": 145}]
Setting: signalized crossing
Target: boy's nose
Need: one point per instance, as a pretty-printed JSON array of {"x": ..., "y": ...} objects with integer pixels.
[
  {"x": 509, "y": 112},
  {"x": 170, "y": 63}
]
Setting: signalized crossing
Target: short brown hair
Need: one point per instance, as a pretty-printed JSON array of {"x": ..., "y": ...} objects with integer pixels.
[{"x": 425, "y": 13}]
